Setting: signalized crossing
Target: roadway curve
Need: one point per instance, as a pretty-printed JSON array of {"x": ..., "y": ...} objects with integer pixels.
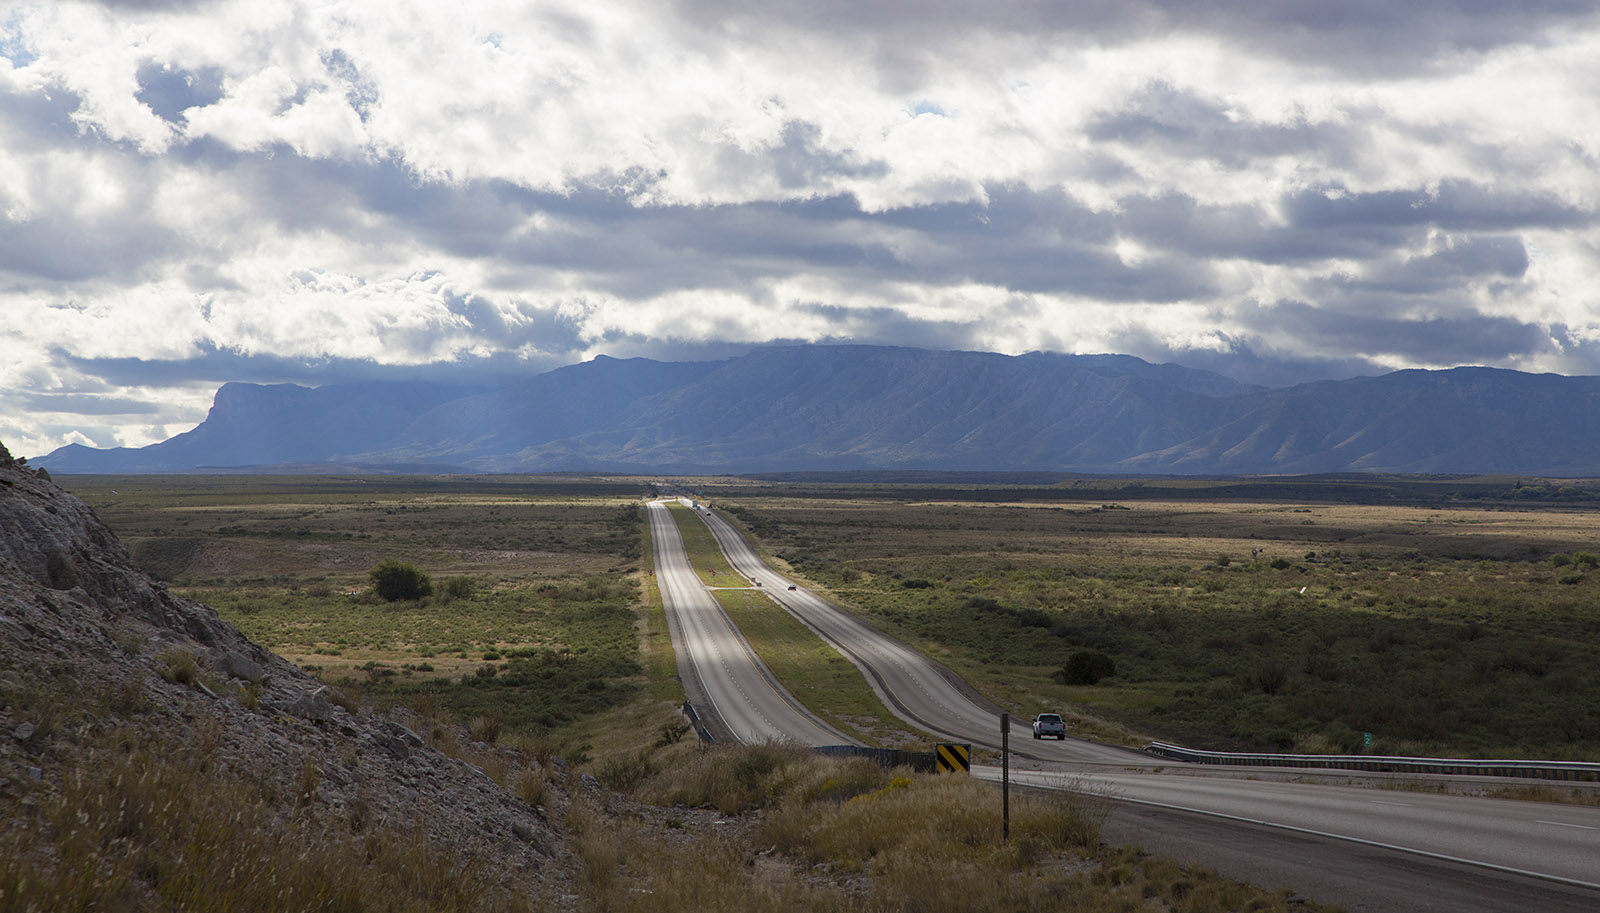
[
  {"x": 1547, "y": 855},
  {"x": 913, "y": 686},
  {"x": 737, "y": 686}
]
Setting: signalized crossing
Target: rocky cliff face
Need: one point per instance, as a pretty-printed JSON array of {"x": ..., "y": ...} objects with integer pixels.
[{"x": 91, "y": 647}]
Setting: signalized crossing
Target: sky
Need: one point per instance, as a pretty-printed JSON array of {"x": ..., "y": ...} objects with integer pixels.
[{"x": 197, "y": 192}]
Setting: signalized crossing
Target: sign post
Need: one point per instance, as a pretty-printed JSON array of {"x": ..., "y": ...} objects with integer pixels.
[{"x": 1005, "y": 777}]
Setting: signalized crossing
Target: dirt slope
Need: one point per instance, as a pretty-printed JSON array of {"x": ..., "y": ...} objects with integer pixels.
[{"x": 91, "y": 647}]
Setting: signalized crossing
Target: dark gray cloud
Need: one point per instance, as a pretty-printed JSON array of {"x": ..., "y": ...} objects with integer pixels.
[
  {"x": 888, "y": 326},
  {"x": 88, "y": 404},
  {"x": 53, "y": 247},
  {"x": 34, "y": 121},
  {"x": 217, "y": 365},
  {"x": 801, "y": 160},
  {"x": 1022, "y": 239},
  {"x": 1465, "y": 259},
  {"x": 1385, "y": 328},
  {"x": 1331, "y": 224},
  {"x": 1247, "y": 359},
  {"x": 1455, "y": 205},
  {"x": 1186, "y": 124},
  {"x": 1367, "y": 35}
]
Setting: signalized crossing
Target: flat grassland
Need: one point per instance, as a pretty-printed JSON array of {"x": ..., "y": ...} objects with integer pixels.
[
  {"x": 1450, "y": 625},
  {"x": 534, "y": 623},
  {"x": 1457, "y": 618}
]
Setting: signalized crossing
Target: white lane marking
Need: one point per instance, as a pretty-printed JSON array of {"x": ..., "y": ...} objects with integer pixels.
[
  {"x": 989, "y": 773},
  {"x": 1581, "y": 827},
  {"x": 1395, "y": 804}
]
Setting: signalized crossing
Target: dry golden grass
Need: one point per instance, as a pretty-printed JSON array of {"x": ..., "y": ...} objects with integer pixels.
[
  {"x": 826, "y": 834},
  {"x": 140, "y": 824}
]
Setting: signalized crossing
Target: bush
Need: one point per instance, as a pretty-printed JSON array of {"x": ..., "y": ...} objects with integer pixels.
[
  {"x": 461, "y": 587},
  {"x": 394, "y": 580},
  {"x": 1271, "y": 676},
  {"x": 1086, "y": 667}
]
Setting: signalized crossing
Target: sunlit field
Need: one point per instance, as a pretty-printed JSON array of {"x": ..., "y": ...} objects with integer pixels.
[
  {"x": 1457, "y": 627},
  {"x": 534, "y": 618}
]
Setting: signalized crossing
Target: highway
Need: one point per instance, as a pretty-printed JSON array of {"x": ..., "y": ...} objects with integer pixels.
[
  {"x": 1367, "y": 848},
  {"x": 736, "y": 685},
  {"x": 912, "y": 686}
]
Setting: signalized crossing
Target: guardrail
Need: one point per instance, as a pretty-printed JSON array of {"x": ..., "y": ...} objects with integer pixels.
[
  {"x": 1541, "y": 770},
  {"x": 699, "y": 727},
  {"x": 888, "y": 757}
]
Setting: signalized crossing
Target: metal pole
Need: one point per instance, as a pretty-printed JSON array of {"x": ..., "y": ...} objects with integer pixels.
[{"x": 1005, "y": 778}]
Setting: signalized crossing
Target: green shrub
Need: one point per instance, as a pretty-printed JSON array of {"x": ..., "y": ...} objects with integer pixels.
[
  {"x": 1086, "y": 667},
  {"x": 458, "y": 587},
  {"x": 180, "y": 667},
  {"x": 394, "y": 580},
  {"x": 1271, "y": 676}
]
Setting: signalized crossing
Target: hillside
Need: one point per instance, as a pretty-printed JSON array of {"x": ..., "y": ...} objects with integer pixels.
[
  {"x": 834, "y": 408},
  {"x": 154, "y": 758}
]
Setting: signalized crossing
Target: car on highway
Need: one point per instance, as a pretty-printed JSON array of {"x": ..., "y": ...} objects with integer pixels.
[
  {"x": 1049, "y": 724},
  {"x": 793, "y": 587}
]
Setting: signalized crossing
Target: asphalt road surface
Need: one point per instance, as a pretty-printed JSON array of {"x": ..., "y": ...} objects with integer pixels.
[
  {"x": 1367, "y": 849},
  {"x": 736, "y": 685}
]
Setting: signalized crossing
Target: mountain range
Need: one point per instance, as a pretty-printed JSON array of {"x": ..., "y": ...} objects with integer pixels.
[{"x": 830, "y": 408}]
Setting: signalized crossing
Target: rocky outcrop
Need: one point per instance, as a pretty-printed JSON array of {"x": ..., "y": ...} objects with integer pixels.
[{"x": 88, "y": 643}]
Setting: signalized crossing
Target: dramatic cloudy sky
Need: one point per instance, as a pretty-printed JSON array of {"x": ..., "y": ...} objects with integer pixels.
[{"x": 197, "y": 192}]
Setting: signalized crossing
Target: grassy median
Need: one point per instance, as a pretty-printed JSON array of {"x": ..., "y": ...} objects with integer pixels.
[{"x": 814, "y": 672}]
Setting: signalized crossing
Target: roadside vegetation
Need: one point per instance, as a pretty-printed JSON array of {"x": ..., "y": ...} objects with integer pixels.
[
  {"x": 771, "y": 828},
  {"x": 144, "y": 823},
  {"x": 509, "y": 603},
  {"x": 1462, "y": 629}
]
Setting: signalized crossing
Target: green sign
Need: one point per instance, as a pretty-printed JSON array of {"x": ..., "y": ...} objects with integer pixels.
[{"x": 1366, "y": 740}]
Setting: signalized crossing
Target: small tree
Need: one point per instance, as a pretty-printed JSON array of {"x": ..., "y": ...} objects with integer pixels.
[
  {"x": 1086, "y": 667},
  {"x": 394, "y": 580}
]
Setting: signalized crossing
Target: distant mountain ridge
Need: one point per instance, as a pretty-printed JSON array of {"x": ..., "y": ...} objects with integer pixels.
[{"x": 828, "y": 408}]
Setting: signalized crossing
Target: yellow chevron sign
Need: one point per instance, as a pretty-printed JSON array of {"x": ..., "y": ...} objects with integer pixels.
[{"x": 954, "y": 758}]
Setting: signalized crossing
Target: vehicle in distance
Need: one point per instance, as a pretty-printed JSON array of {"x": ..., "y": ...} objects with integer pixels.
[
  {"x": 793, "y": 587},
  {"x": 1049, "y": 724}
]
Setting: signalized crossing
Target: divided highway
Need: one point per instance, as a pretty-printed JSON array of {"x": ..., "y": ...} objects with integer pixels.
[
  {"x": 1547, "y": 857},
  {"x": 737, "y": 685},
  {"x": 911, "y": 685}
]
